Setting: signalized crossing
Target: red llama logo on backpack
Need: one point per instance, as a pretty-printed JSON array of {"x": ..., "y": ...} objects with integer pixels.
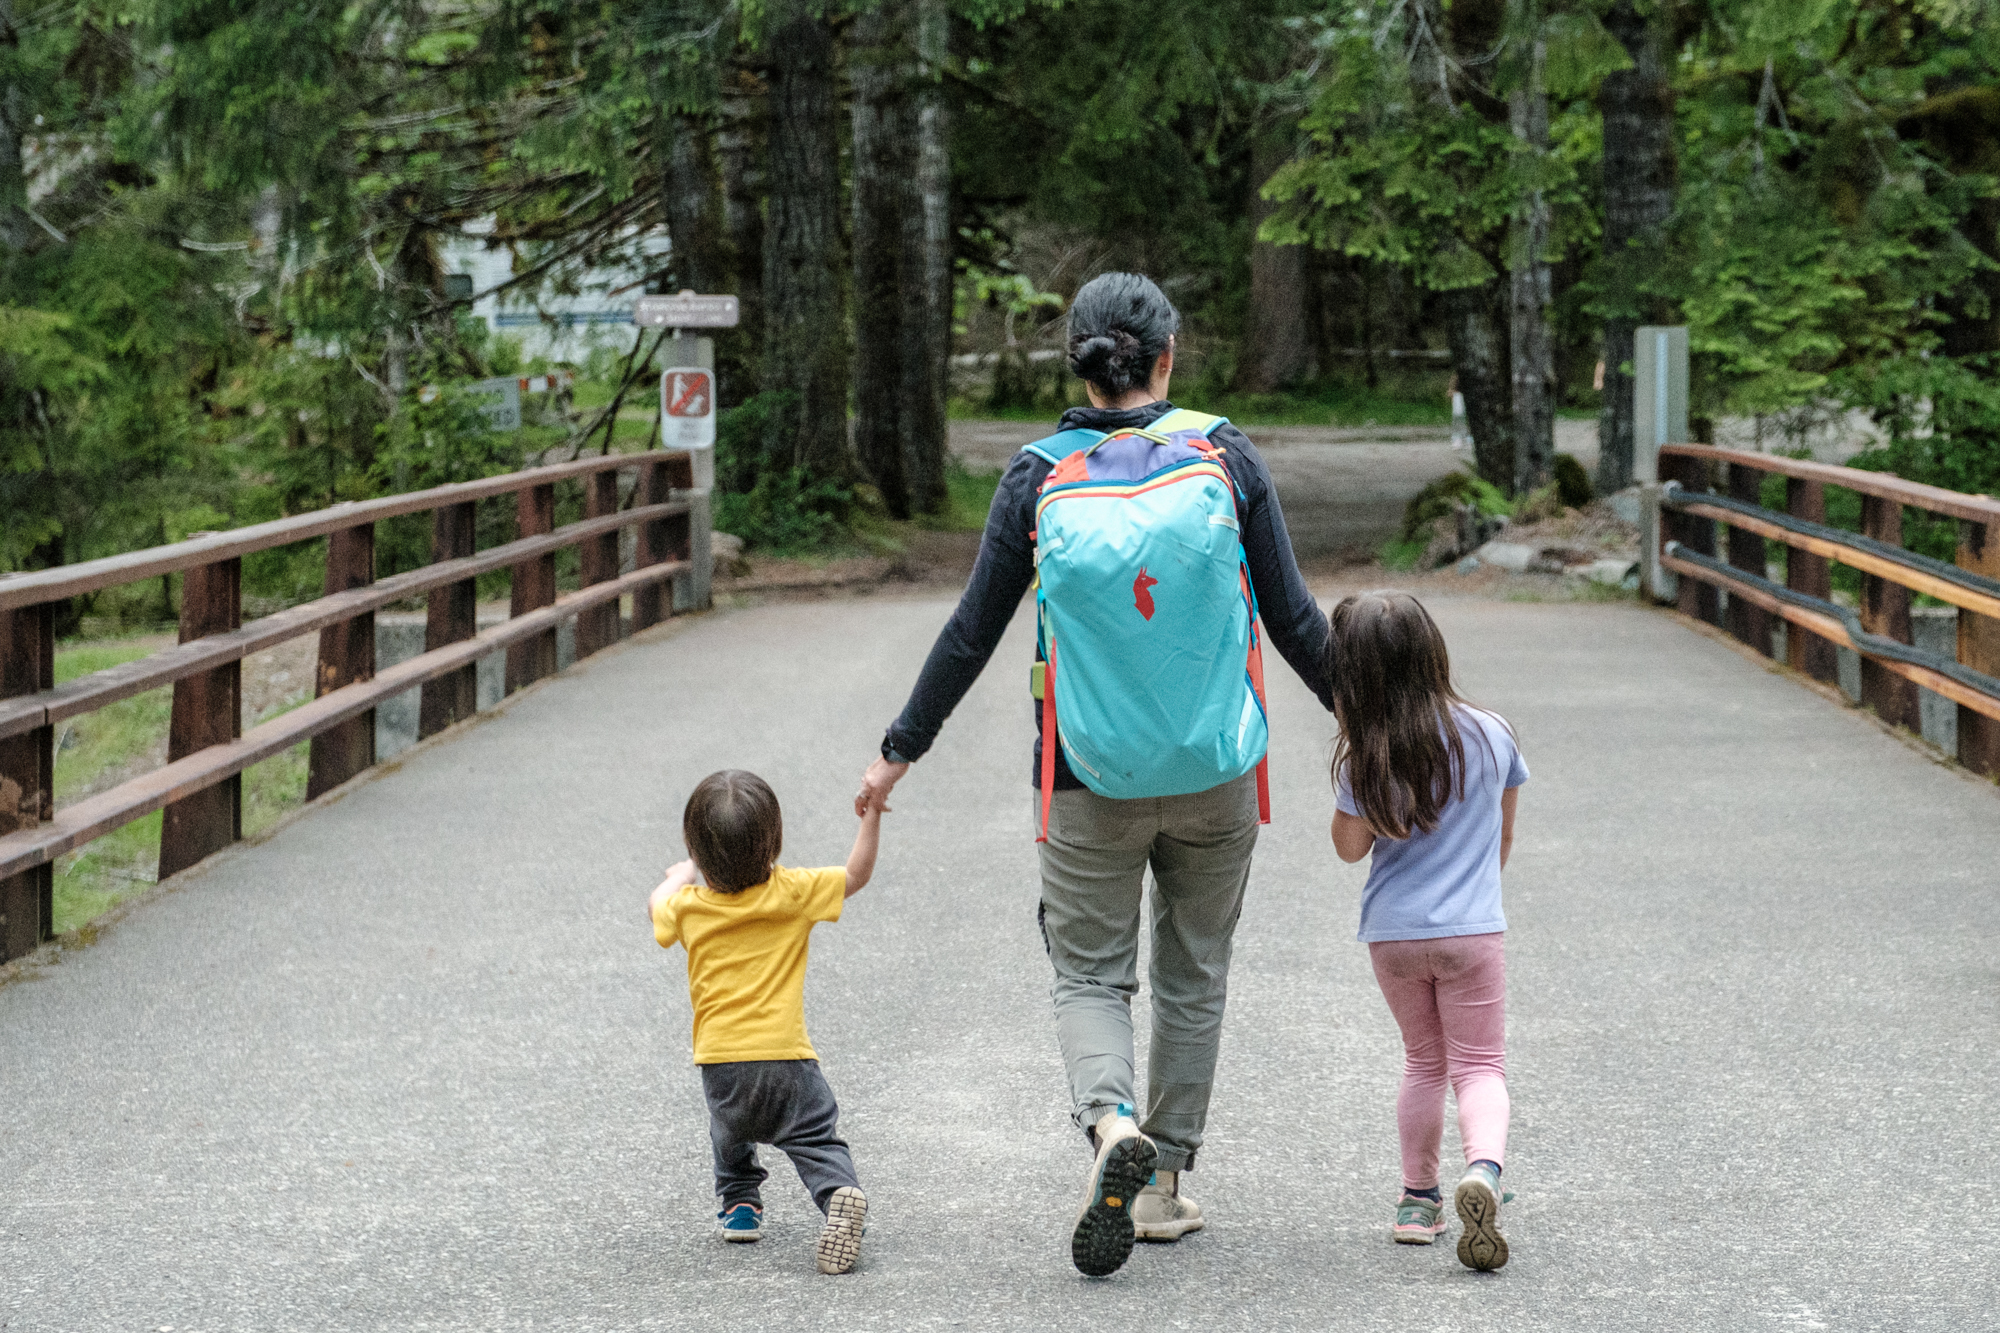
[{"x": 1142, "y": 597}]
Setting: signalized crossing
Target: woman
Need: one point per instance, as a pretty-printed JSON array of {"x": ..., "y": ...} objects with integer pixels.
[{"x": 1097, "y": 849}]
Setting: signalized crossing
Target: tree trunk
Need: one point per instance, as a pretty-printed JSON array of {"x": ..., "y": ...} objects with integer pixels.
[
  {"x": 1478, "y": 331},
  {"x": 693, "y": 204},
  {"x": 1531, "y": 352},
  {"x": 926, "y": 265},
  {"x": 878, "y": 73},
  {"x": 739, "y": 149},
  {"x": 14, "y": 222},
  {"x": 805, "y": 335},
  {"x": 1278, "y": 349},
  {"x": 1638, "y": 109}
]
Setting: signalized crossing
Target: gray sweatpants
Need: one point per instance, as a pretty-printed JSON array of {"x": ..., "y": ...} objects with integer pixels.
[
  {"x": 1093, "y": 876},
  {"x": 785, "y": 1103}
]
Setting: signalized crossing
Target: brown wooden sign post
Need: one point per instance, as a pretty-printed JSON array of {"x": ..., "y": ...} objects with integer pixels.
[
  {"x": 208, "y": 710},
  {"x": 27, "y": 776}
]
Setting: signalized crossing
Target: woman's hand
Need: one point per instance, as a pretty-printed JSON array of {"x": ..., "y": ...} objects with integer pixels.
[{"x": 876, "y": 784}]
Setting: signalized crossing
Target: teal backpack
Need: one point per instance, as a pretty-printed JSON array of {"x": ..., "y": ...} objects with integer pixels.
[{"x": 1150, "y": 670}]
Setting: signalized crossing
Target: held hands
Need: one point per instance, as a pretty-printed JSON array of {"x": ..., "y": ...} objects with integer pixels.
[{"x": 876, "y": 784}]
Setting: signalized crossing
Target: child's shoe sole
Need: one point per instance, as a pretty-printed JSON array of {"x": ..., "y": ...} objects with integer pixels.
[
  {"x": 1102, "y": 1241},
  {"x": 839, "y": 1242},
  {"x": 1480, "y": 1244},
  {"x": 1416, "y": 1235}
]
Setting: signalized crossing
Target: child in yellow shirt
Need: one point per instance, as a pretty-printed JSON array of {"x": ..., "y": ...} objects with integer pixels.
[{"x": 745, "y": 932}]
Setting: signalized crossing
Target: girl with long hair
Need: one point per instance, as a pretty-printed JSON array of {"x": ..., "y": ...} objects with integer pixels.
[{"x": 1425, "y": 783}]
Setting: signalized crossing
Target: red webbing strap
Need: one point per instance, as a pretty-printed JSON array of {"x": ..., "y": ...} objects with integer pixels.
[{"x": 1049, "y": 741}]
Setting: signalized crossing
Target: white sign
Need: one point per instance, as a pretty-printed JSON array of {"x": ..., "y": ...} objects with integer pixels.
[
  {"x": 686, "y": 311},
  {"x": 687, "y": 408}
]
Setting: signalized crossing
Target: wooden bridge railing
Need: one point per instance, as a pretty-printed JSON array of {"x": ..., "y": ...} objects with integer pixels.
[
  {"x": 1880, "y": 630},
  {"x": 200, "y": 788}
]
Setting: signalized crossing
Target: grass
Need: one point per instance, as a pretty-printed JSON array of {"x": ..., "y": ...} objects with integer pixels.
[{"x": 103, "y": 748}]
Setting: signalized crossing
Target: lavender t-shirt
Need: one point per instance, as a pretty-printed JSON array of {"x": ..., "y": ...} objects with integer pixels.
[{"x": 1446, "y": 882}]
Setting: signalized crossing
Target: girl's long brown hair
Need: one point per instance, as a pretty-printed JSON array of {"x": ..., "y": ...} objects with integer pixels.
[{"x": 1399, "y": 739}]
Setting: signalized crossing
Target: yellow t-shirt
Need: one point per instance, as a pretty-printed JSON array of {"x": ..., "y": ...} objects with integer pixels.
[{"x": 747, "y": 961}]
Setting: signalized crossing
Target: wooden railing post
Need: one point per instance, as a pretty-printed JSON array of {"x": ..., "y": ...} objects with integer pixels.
[
  {"x": 27, "y": 776},
  {"x": 1806, "y": 652},
  {"x": 534, "y": 587},
  {"x": 652, "y": 603},
  {"x": 208, "y": 710},
  {"x": 1697, "y": 599},
  {"x": 1885, "y": 610},
  {"x": 451, "y": 615},
  {"x": 346, "y": 655},
  {"x": 1979, "y": 648},
  {"x": 1751, "y": 624},
  {"x": 597, "y": 626}
]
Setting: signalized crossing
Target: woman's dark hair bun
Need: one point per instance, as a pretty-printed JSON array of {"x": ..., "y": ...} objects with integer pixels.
[{"x": 1118, "y": 326}]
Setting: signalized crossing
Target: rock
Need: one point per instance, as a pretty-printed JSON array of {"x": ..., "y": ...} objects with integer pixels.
[
  {"x": 1611, "y": 573},
  {"x": 727, "y": 548},
  {"x": 1510, "y": 556},
  {"x": 1468, "y": 565},
  {"x": 1625, "y": 504}
]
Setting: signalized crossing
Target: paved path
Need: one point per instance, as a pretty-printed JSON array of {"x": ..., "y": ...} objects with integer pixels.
[
  {"x": 1343, "y": 490},
  {"x": 415, "y": 1063}
]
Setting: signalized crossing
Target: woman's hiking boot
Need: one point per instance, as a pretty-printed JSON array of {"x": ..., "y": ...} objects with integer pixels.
[
  {"x": 839, "y": 1242},
  {"x": 1418, "y": 1220},
  {"x": 1102, "y": 1239},
  {"x": 1480, "y": 1244},
  {"x": 1162, "y": 1212}
]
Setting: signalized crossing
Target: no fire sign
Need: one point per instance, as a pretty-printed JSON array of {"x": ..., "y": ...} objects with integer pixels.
[{"x": 687, "y": 408}]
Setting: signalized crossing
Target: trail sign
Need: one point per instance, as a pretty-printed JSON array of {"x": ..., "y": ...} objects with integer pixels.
[
  {"x": 687, "y": 407},
  {"x": 686, "y": 311}
]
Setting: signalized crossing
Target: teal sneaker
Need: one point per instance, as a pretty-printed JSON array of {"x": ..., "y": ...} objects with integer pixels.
[
  {"x": 1418, "y": 1220},
  {"x": 742, "y": 1223},
  {"x": 1480, "y": 1244}
]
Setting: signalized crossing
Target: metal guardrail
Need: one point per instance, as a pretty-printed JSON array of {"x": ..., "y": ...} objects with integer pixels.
[
  {"x": 199, "y": 788},
  {"x": 1687, "y": 513}
]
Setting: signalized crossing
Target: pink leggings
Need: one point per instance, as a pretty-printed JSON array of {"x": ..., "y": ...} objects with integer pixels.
[{"x": 1449, "y": 997}]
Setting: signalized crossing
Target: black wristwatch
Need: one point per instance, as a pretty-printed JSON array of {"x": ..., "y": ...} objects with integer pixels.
[{"x": 889, "y": 753}]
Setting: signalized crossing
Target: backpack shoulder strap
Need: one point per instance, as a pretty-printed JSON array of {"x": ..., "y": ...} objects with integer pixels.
[
  {"x": 1062, "y": 444},
  {"x": 1182, "y": 418}
]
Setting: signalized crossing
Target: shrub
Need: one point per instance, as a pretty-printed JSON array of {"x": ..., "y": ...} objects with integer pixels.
[
  {"x": 1445, "y": 496},
  {"x": 1572, "y": 482}
]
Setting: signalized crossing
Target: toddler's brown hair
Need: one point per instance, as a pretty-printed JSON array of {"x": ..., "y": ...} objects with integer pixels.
[{"x": 734, "y": 829}]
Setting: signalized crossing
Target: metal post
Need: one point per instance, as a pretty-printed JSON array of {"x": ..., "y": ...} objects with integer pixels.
[
  {"x": 346, "y": 655},
  {"x": 208, "y": 710},
  {"x": 27, "y": 776}
]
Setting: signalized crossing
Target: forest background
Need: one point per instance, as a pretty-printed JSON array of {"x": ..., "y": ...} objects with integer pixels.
[{"x": 224, "y": 296}]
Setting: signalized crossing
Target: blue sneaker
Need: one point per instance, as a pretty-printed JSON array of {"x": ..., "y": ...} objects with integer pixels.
[{"x": 742, "y": 1224}]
